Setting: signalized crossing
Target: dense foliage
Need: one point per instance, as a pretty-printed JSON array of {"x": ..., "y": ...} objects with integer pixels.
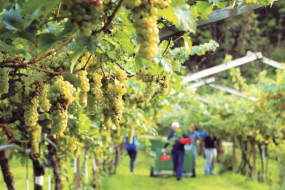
[{"x": 85, "y": 72}]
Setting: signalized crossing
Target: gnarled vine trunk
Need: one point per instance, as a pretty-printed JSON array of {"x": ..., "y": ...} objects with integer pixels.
[
  {"x": 55, "y": 166},
  {"x": 39, "y": 172},
  {"x": 7, "y": 175}
]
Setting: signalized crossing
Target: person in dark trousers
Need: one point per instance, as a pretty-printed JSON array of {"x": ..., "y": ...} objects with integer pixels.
[
  {"x": 132, "y": 149},
  {"x": 177, "y": 151},
  {"x": 210, "y": 153},
  {"x": 194, "y": 136}
]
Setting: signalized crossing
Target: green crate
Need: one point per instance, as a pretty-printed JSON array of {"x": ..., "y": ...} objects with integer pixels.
[
  {"x": 161, "y": 166},
  {"x": 156, "y": 143}
]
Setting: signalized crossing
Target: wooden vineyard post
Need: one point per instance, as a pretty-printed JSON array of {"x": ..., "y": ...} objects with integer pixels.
[
  {"x": 253, "y": 159},
  {"x": 76, "y": 173},
  {"x": 234, "y": 153}
]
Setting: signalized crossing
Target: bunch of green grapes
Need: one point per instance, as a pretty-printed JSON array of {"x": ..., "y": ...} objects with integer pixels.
[
  {"x": 149, "y": 91},
  {"x": 31, "y": 113},
  {"x": 151, "y": 83},
  {"x": 95, "y": 96},
  {"x": 106, "y": 138},
  {"x": 72, "y": 143},
  {"x": 115, "y": 102},
  {"x": 164, "y": 85},
  {"x": 55, "y": 62},
  {"x": 44, "y": 103},
  {"x": 73, "y": 108},
  {"x": 4, "y": 81},
  {"x": 33, "y": 83},
  {"x": 59, "y": 119},
  {"x": 145, "y": 19},
  {"x": 121, "y": 75},
  {"x": 83, "y": 98},
  {"x": 86, "y": 13},
  {"x": 61, "y": 90},
  {"x": 143, "y": 75},
  {"x": 35, "y": 136}
]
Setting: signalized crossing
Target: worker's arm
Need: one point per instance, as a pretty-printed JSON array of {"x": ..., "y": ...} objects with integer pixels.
[{"x": 171, "y": 134}]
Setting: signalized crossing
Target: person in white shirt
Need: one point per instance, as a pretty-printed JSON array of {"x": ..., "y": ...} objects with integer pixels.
[{"x": 194, "y": 136}]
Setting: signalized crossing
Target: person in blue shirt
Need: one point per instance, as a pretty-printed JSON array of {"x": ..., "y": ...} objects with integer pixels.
[
  {"x": 177, "y": 151},
  {"x": 194, "y": 136},
  {"x": 132, "y": 149}
]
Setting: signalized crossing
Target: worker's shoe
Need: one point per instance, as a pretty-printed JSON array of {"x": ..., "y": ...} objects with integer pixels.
[
  {"x": 193, "y": 173},
  {"x": 178, "y": 178}
]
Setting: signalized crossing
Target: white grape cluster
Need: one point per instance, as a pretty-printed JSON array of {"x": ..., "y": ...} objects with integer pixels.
[
  {"x": 35, "y": 136},
  {"x": 145, "y": 21},
  {"x": 4, "y": 81},
  {"x": 86, "y": 13},
  {"x": 31, "y": 112},
  {"x": 95, "y": 96}
]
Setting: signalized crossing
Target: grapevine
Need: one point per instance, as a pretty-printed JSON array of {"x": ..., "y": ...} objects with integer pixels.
[
  {"x": 35, "y": 135},
  {"x": 4, "y": 81},
  {"x": 145, "y": 19}
]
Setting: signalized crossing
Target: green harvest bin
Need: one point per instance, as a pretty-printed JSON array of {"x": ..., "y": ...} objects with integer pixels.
[
  {"x": 156, "y": 143},
  {"x": 163, "y": 167}
]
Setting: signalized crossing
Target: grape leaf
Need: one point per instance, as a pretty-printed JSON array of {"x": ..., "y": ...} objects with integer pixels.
[
  {"x": 178, "y": 3},
  {"x": 38, "y": 8},
  {"x": 169, "y": 14},
  {"x": 188, "y": 44},
  {"x": 186, "y": 20},
  {"x": 6, "y": 47},
  {"x": 222, "y": 5},
  {"x": 12, "y": 19},
  {"x": 204, "y": 8},
  {"x": 263, "y": 2},
  {"x": 45, "y": 42},
  {"x": 139, "y": 61},
  {"x": 79, "y": 49},
  {"x": 125, "y": 42}
]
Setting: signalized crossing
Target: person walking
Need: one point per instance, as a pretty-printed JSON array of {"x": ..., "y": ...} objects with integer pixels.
[
  {"x": 177, "y": 151},
  {"x": 132, "y": 149},
  {"x": 210, "y": 154},
  {"x": 194, "y": 136}
]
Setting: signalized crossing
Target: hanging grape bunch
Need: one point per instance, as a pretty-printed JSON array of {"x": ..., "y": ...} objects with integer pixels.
[
  {"x": 35, "y": 136},
  {"x": 163, "y": 85},
  {"x": 85, "y": 13},
  {"x": 145, "y": 21},
  {"x": 151, "y": 83},
  {"x": 61, "y": 95},
  {"x": 95, "y": 95}
]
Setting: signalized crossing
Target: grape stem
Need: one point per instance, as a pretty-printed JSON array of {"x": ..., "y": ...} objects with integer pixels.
[
  {"x": 56, "y": 18},
  {"x": 101, "y": 64},
  {"x": 84, "y": 68},
  {"x": 167, "y": 46},
  {"x": 109, "y": 19},
  {"x": 53, "y": 50}
]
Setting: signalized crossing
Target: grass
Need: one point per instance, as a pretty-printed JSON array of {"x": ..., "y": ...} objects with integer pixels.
[{"x": 140, "y": 180}]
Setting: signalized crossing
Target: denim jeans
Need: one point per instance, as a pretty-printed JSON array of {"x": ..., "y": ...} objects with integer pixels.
[
  {"x": 133, "y": 155},
  {"x": 211, "y": 156}
]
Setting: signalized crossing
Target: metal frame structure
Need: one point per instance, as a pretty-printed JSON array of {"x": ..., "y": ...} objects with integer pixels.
[
  {"x": 215, "y": 16},
  {"x": 250, "y": 56},
  {"x": 247, "y": 59}
]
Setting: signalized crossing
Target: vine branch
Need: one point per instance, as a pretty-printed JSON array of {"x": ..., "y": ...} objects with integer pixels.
[
  {"x": 54, "y": 50},
  {"x": 167, "y": 46},
  {"x": 56, "y": 18},
  {"x": 110, "y": 18}
]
